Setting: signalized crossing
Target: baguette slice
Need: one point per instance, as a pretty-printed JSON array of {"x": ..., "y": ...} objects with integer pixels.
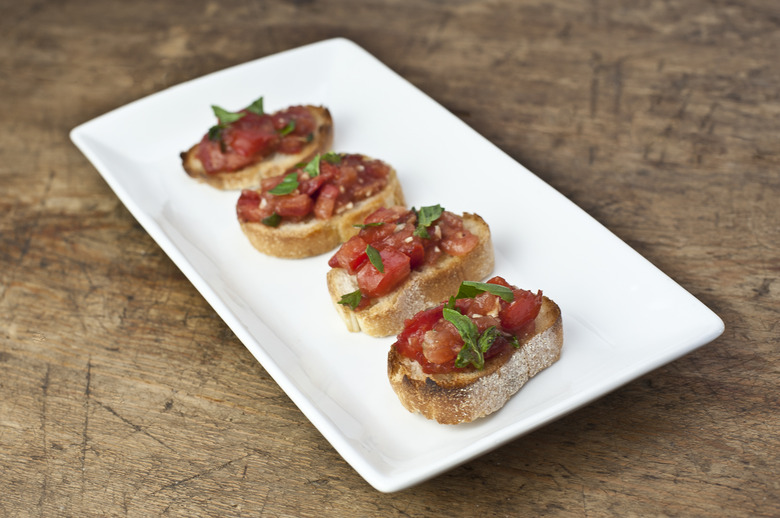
[
  {"x": 421, "y": 289},
  {"x": 295, "y": 240},
  {"x": 460, "y": 397},
  {"x": 275, "y": 164}
]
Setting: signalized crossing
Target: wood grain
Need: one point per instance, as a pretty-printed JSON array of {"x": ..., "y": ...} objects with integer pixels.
[{"x": 122, "y": 392}]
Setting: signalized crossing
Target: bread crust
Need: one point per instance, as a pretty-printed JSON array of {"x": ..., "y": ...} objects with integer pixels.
[
  {"x": 422, "y": 289},
  {"x": 272, "y": 165},
  {"x": 294, "y": 240},
  {"x": 460, "y": 397}
]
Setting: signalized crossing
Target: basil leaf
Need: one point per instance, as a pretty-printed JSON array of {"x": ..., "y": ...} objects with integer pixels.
[
  {"x": 425, "y": 218},
  {"x": 375, "y": 258},
  {"x": 286, "y": 186},
  {"x": 366, "y": 225},
  {"x": 225, "y": 117},
  {"x": 351, "y": 299},
  {"x": 287, "y": 129},
  {"x": 313, "y": 167},
  {"x": 273, "y": 220},
  {"x": 450, "y": 303},
  {"x": 256, "y": 107},
  {"x": 514, "y": 341},
  {"x": 487, "y": 338},
  {"x": 470, "y": 289},
  {"x": 215, "y": 132},
  {"x": 475, "y": 345},
  {"x": 332, "y": 157},
  {"x": 469, "y": 353}
]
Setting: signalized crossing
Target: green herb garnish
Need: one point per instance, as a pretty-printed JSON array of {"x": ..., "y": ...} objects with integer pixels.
[
  {"x": 225, "y": 117},
  {"x": 375, "y": 258},
  {"x": 475, "y": 345},
  {"x": 313, "y": 167},
  {"x": 287, "y": 185},
  {"x": 351, "y": 299},
  {"x": 287, "y": 129},
  {"x": 273, "y": 220},
  {"x": 470, "y": 289},
  {"x": 425, "y": 218},
  {"x": 332, "y": 157},
  {"x": 256, "y": 107}
]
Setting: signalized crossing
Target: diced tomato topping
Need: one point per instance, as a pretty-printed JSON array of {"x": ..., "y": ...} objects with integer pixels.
[
  {"x": 442, "y": 343},
  {"x": 456, "y": 240},
  {"x": 351, "y": 255},
  {"x": 396, "y": 229},
  {"x": 326, "y": 202},
  {"x": 414, "y": 329},
  {"x": 386, "y": 215},
  {"x": 254, "y": 137},
  {"x": 434, "y": 342},
  {"x": 524, "y": 309},
  {"x": 293, "y": 205},
  {"x": 251, "y": 135},
  {"x": 500, "y": 281},
  {"x": 248, "y": 206},
  {"x": 373, "y": 283},
  {"x": 320, "y": 196}
]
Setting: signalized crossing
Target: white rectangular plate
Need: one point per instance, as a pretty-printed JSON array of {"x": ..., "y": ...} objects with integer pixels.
[{"x": 612, "y": 299}]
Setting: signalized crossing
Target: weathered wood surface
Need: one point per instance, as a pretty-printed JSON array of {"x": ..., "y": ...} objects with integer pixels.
[{"x": 122, "y": 393}]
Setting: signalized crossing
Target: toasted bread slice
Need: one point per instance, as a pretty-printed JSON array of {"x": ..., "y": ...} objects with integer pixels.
[
  {"x": 294, "y": 240},
  {"x": 460, "y": 397},
  {"x": 421, "y": 289},
  {"x": 275, "y": 164}
]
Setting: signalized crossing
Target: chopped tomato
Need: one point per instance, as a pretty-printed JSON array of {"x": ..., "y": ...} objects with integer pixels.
[
  {"x": 326, "y": 201},
  {"x": 500, "y": 281},
  {"x": 395, "y": 231},
  {"x": 351, "y": 255},
  {"x": 248, "y": 206},
  {"x": 386, "y": 215},
  {"x": 319, "y": 196},
  {"x": 414, "y": 329},
  {"x": 442, "y": 343},
  {"x": 373, "y": 283},
  {"x": 435, "y": 343},
  {"x": 524, "y": 309},
  {"x": 293, "y": 205},
  {"x": 214, "y": 160},
  {"x": 251, "y": 135}
]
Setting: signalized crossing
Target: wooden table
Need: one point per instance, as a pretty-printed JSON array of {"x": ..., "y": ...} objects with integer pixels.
[{"x": 122, "y": 392}]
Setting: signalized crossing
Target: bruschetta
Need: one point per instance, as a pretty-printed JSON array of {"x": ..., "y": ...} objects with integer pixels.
[
  {"x": 248, "y": 145},
  {"x": 314, "y": 207},
  {"x": 464, "y": 359},
  {"x": 404, "y": 260}
]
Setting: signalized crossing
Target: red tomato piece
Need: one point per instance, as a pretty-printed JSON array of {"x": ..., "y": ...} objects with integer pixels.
[
  {"x": 373, "y": 283},
  {"x": 248, "y": 206},
  {"x": 442, "y": 343},
  {"x": 350, "y": 256},
  {"x": 293, "y": 205},
  {"x": 410, "y": 339},
  {"x": 326, "y": 201},
  {"x": 251, "y": 135},
  {"x": 522, "y": 310}
]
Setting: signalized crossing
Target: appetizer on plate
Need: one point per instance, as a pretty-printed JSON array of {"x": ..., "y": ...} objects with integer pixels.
[
  {"x": 314, "y": 207},
  {"x": 248, "y": 145},
  {"x": 404, "y": 260},
  {"x": 465, "y": 358}
]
